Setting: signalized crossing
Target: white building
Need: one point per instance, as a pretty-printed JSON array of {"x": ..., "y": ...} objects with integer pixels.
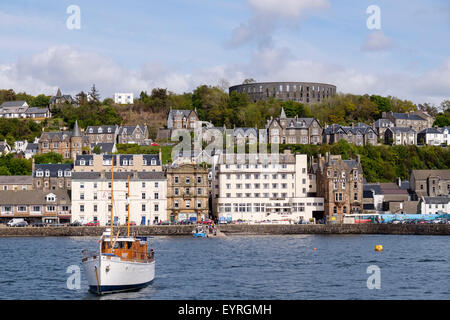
[
  {"x": 123, "y": 98},
  {"x": 435, "y": 205},
  {"x": 431, "y": 137},
  {"x": 91, "y": 197},
  {"x": 255, "y": 188}
]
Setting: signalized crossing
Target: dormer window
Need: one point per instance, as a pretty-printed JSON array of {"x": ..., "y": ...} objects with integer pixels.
[
  {"x": 39, "y": 173},
  {"x": 100, "y": 130},
  {"x": 153, "y": 162},
  {"x": 60, "y": 173},
  {"x": 109, "y": 130},
  {"x": 144, "y": 162},
  {"x": 125, "y": 162},
  {"x": 68, "y": 173},
  {"x": 50, "y": 197},
  {"x": 47, "y": 173},
  {"x": 82, "y": 162},
  {"x": 91, "y": 130}
]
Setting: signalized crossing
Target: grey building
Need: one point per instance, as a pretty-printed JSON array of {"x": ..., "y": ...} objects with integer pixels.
[{"x": 304, "y": 92}]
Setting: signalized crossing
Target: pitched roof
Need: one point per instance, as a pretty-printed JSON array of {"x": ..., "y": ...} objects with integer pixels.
[
  {"x": 424, "y": 174},
  {"x": 33, "y": 197},
  {"x": 16, "y": 180},
  {"x": 436, "y": 200},
  {"x": 36, "y": 110},
  {"x": 53, "y": 168},
  {"x": 104, "y": 129},
  {"x": 154, "y": 175},
  {"x": 407, "y": 116},
  {"x": 18, "y": 103}
]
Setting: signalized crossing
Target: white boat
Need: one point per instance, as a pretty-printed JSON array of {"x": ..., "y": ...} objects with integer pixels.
[
  {"x": 128, "y": 266},
  {"x": 122, "y": 263}
]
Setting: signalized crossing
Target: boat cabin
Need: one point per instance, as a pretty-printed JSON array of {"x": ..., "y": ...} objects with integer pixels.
[{"x": 126, "y": 248}]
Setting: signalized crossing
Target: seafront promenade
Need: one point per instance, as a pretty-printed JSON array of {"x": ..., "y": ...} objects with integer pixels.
[{"x": 235, "y": 229}]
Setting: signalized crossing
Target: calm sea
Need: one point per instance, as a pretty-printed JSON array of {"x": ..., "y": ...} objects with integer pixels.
[{"x": 244, "y": 267}]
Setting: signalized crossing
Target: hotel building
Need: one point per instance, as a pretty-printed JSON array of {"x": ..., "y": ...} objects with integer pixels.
[{"x": 256, "y": 188}]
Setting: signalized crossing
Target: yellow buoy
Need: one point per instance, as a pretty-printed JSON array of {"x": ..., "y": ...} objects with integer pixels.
[{"x": 378, "y": 247}]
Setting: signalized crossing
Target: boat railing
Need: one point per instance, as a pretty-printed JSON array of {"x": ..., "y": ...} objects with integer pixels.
[{"x": 86, "y": 254}]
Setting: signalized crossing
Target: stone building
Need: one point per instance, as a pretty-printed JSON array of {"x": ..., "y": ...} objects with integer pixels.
[
  {"x": 187, "y": 192},
  {"x": 60, "y": 99},
  {"x": 11, "y": 183},
  {"x": 182, "y": 119},
  {"x": 340, "y": 183},
  {"x": 105, "y": 134},
  {"x": 133, "y": 134},
  {"x": 400, "y": 136},
  {"x": 284, "y": 130},
  {"x": 52, "y": 176},
  {"x": 303, "y": 92},
  {"x": 359, "y": 134},
  {"x": 417, "y": 120},
  {"x": 68, "y": 144},
  {"x": 430, "y": 183}
]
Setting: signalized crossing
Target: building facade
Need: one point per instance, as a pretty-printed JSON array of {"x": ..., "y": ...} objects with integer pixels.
[
  {"x": 122, "y": 162},
  {"x": 52, "y": 176},
  {"x": 123, "y": 98},
  {"x": 68, "y": 144},
  {"x": 256, "y": 188},
  {"x": 187, "y": 192},
  {"x": 142, "y": 195},
  {"x": 304, "y": 92},
  {"x": 430, "y": 183},
  {"x": 359, "y": 134},
  {"x": 97, "y": 134},
  {"x": 133, "y": 134},
  {"x": 182, "y": 119},
  {"x": 400, "y": 136},
  {"x": 284, "y": 130},
  {"x": 340, "y": 183},
  {"x": 36, "y": 206},
  {"x": 11, "y": 183}
]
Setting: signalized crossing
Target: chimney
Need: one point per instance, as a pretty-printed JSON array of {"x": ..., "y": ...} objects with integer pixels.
[
  {"x": 358, "y": 158},
  {"x": 160, "y": 156},
  {"x": 399, "y": 182},
  {"x": 32, "y": 165}
]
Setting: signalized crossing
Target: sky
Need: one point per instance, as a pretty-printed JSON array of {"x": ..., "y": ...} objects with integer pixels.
[{"x": 134, "y": 46}]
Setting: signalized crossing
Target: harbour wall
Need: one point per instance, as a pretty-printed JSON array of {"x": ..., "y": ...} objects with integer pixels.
[{"x": 235, "y": 229}]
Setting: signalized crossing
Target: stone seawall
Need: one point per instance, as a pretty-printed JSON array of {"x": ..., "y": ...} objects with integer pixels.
[{"x": 185, "y": 230}]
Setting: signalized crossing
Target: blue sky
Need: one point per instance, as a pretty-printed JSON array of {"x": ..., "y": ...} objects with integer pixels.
[{"x": 179, "y": 44}]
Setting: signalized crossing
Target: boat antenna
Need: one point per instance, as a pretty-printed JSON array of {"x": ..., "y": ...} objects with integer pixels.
[
  {"x": 128, "y": 202},
  {"x": 112, "y": 202}
]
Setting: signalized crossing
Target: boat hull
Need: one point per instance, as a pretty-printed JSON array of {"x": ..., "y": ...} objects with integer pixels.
[{"x": 106, "y": 274}]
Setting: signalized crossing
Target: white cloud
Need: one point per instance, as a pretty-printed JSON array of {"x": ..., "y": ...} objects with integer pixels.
[
  {"x": 268, "y": 15},
  {"x": 377, "y": 41}
]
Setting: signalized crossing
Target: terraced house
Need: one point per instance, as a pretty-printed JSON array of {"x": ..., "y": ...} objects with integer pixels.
[
  {"x": 284, "y": 130},
  {"x": 359, "y": 134},
  {"x": 36, "y": 205},
  {"x": 182, "y": 119},
  {"x": 96, "y": 134}
]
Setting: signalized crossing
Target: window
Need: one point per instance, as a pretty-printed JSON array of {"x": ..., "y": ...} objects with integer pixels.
[
  {"x": 188, "y": 203},
  {"x": 143, "y": 195},
  {"x": 188, "y": 180},
  {"x": 95, "y": 195},
  {"x": 95, "y": 208},
  {"x": 175, "y": 179},
  {"x": 53, "y": 208},
  {"x": 199, "y": 203},
  {"x": 156, "y": 207},
  {"x": 81, "y": 185},
  {"x": 175, "y": 204},
  {"x": 199, "y": 191},
  {"x": 81, "y": 208},
  {"x": 81, "y": 196},
  {"x": 156, "y": 195},
  {"x": 199, "y": 179}
]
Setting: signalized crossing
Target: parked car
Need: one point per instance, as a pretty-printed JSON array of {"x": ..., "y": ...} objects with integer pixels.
[
  {"x": 93, "y": 224},
  {"x": 56, "y": 224},
  {"x": 132, "y": 223},
  {"x": 154, "y": 144},
  {"x": 165, "y": 223},
  {"x": 39, "y": 224},
  {"x": 21, "y": 224}
]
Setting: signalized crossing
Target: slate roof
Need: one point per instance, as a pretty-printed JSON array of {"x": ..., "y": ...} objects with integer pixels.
[
  {"x": 401, "y": 129},
  {"x": 407, "y": 116},
  {"x": 104, "y": 129},
  {"x": 32, "y": 147},
  {"x": 16, "y": 180},
  {"x": 106, "y": 147},
  {"x": 53, "y": 168},
  {"x": 431, "y": 131},
  {"x": 436, "y": 200},
  {"x": 9, "y": 104},
  {"x": 128, "y": 130},
  {"x": 424, "y": 174},
  {"x": 36, "y": 110},
  {"x": 33, "y": 197}
]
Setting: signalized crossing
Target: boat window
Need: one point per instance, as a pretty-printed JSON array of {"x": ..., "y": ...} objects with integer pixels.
[
  {"x": 119, "y": 245},
  {"x": 129, "y": 244}
]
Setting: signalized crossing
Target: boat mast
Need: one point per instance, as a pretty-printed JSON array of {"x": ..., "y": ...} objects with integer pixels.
[
  {"x": 128, "y": 202},
  {"x": 112, "y": 201}
]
